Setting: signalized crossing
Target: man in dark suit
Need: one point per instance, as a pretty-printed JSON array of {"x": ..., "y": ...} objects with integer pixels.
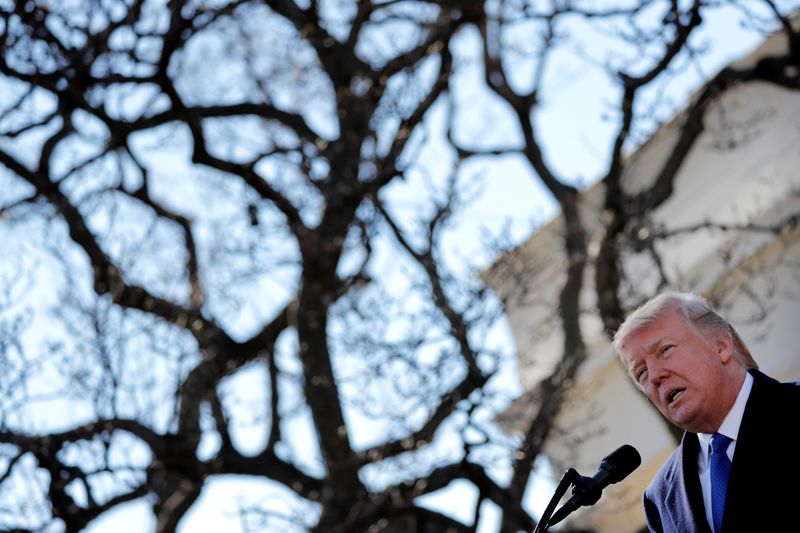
[{"x": 737, "y": 468}]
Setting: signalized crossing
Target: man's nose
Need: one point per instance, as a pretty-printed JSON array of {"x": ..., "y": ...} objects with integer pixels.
[{"x": 656, "y": 373}]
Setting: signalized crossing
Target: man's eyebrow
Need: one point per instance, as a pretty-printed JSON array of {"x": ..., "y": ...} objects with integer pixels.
[{"x": 655, "y": 344}]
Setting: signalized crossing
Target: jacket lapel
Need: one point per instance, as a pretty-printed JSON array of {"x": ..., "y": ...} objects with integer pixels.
[
  {"x": 682, "y": 509},
  {"x": 690, "y": 481}
]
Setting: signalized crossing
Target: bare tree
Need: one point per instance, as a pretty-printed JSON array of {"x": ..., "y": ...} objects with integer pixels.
[
  {"x": 204, "y": 179},
  {"x": 207, "y": 185}
]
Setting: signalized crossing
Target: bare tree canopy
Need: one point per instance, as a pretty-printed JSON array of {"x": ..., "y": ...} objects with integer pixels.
[{"x": 204, "y": 273}]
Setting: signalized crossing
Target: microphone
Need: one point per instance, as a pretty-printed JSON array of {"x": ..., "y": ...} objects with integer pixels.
[{"x": 613, "y": 469}]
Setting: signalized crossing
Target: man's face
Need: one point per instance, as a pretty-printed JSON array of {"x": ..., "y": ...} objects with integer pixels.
[{"x": 685, "y": 373}]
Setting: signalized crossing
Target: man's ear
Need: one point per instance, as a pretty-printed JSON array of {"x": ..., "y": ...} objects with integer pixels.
[{"x": 723, "y": 344}]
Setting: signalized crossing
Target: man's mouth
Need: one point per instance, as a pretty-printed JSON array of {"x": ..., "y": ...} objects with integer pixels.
[{"x": 674, "y": 395}]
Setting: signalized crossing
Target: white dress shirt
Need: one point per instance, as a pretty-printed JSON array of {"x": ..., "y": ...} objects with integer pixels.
[{"x": 729, "y": 428}]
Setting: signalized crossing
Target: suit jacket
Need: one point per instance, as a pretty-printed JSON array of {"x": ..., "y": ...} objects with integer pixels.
[{"x": 764, "y": 485}]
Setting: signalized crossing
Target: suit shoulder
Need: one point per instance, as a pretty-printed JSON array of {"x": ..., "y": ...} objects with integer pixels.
[
  {"x": 793, "y": 387},
  {"x": 665, "y": 475},
  {"x": 789, "y": 390}
]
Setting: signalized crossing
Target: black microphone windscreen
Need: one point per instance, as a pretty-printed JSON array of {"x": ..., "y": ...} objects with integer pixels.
[{"x": 621, "y": 462}]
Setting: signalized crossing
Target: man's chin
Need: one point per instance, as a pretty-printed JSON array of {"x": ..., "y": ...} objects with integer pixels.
[
  {"x": 679, "y": 415},
  {"x": 683, "y": 418}
]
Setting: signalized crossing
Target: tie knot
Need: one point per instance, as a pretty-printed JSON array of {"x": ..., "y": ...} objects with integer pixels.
[{"x": 719, "y": 443}]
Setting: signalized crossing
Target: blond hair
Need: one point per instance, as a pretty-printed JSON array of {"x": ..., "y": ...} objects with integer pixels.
[{"x": 697, "y": 312}]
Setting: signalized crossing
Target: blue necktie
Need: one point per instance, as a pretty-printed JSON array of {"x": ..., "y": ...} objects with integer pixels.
[{"x": 720, "y": 470}]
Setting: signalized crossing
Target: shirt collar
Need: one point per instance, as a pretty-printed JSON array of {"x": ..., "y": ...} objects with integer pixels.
[{"x": 733, "y": 420}]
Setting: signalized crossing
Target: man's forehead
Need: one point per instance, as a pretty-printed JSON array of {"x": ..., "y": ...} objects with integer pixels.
[
  {"x": 647, "y": 339},
  {"x": 647, "y": 336}
]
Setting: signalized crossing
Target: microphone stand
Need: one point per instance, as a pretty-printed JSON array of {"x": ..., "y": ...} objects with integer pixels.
[{"x": 569, "y": 478}]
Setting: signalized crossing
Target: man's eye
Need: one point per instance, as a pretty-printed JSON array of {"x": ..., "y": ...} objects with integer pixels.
[
  {"x": 641, "y": 374},
  {"x": 666, "y": 348}
]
